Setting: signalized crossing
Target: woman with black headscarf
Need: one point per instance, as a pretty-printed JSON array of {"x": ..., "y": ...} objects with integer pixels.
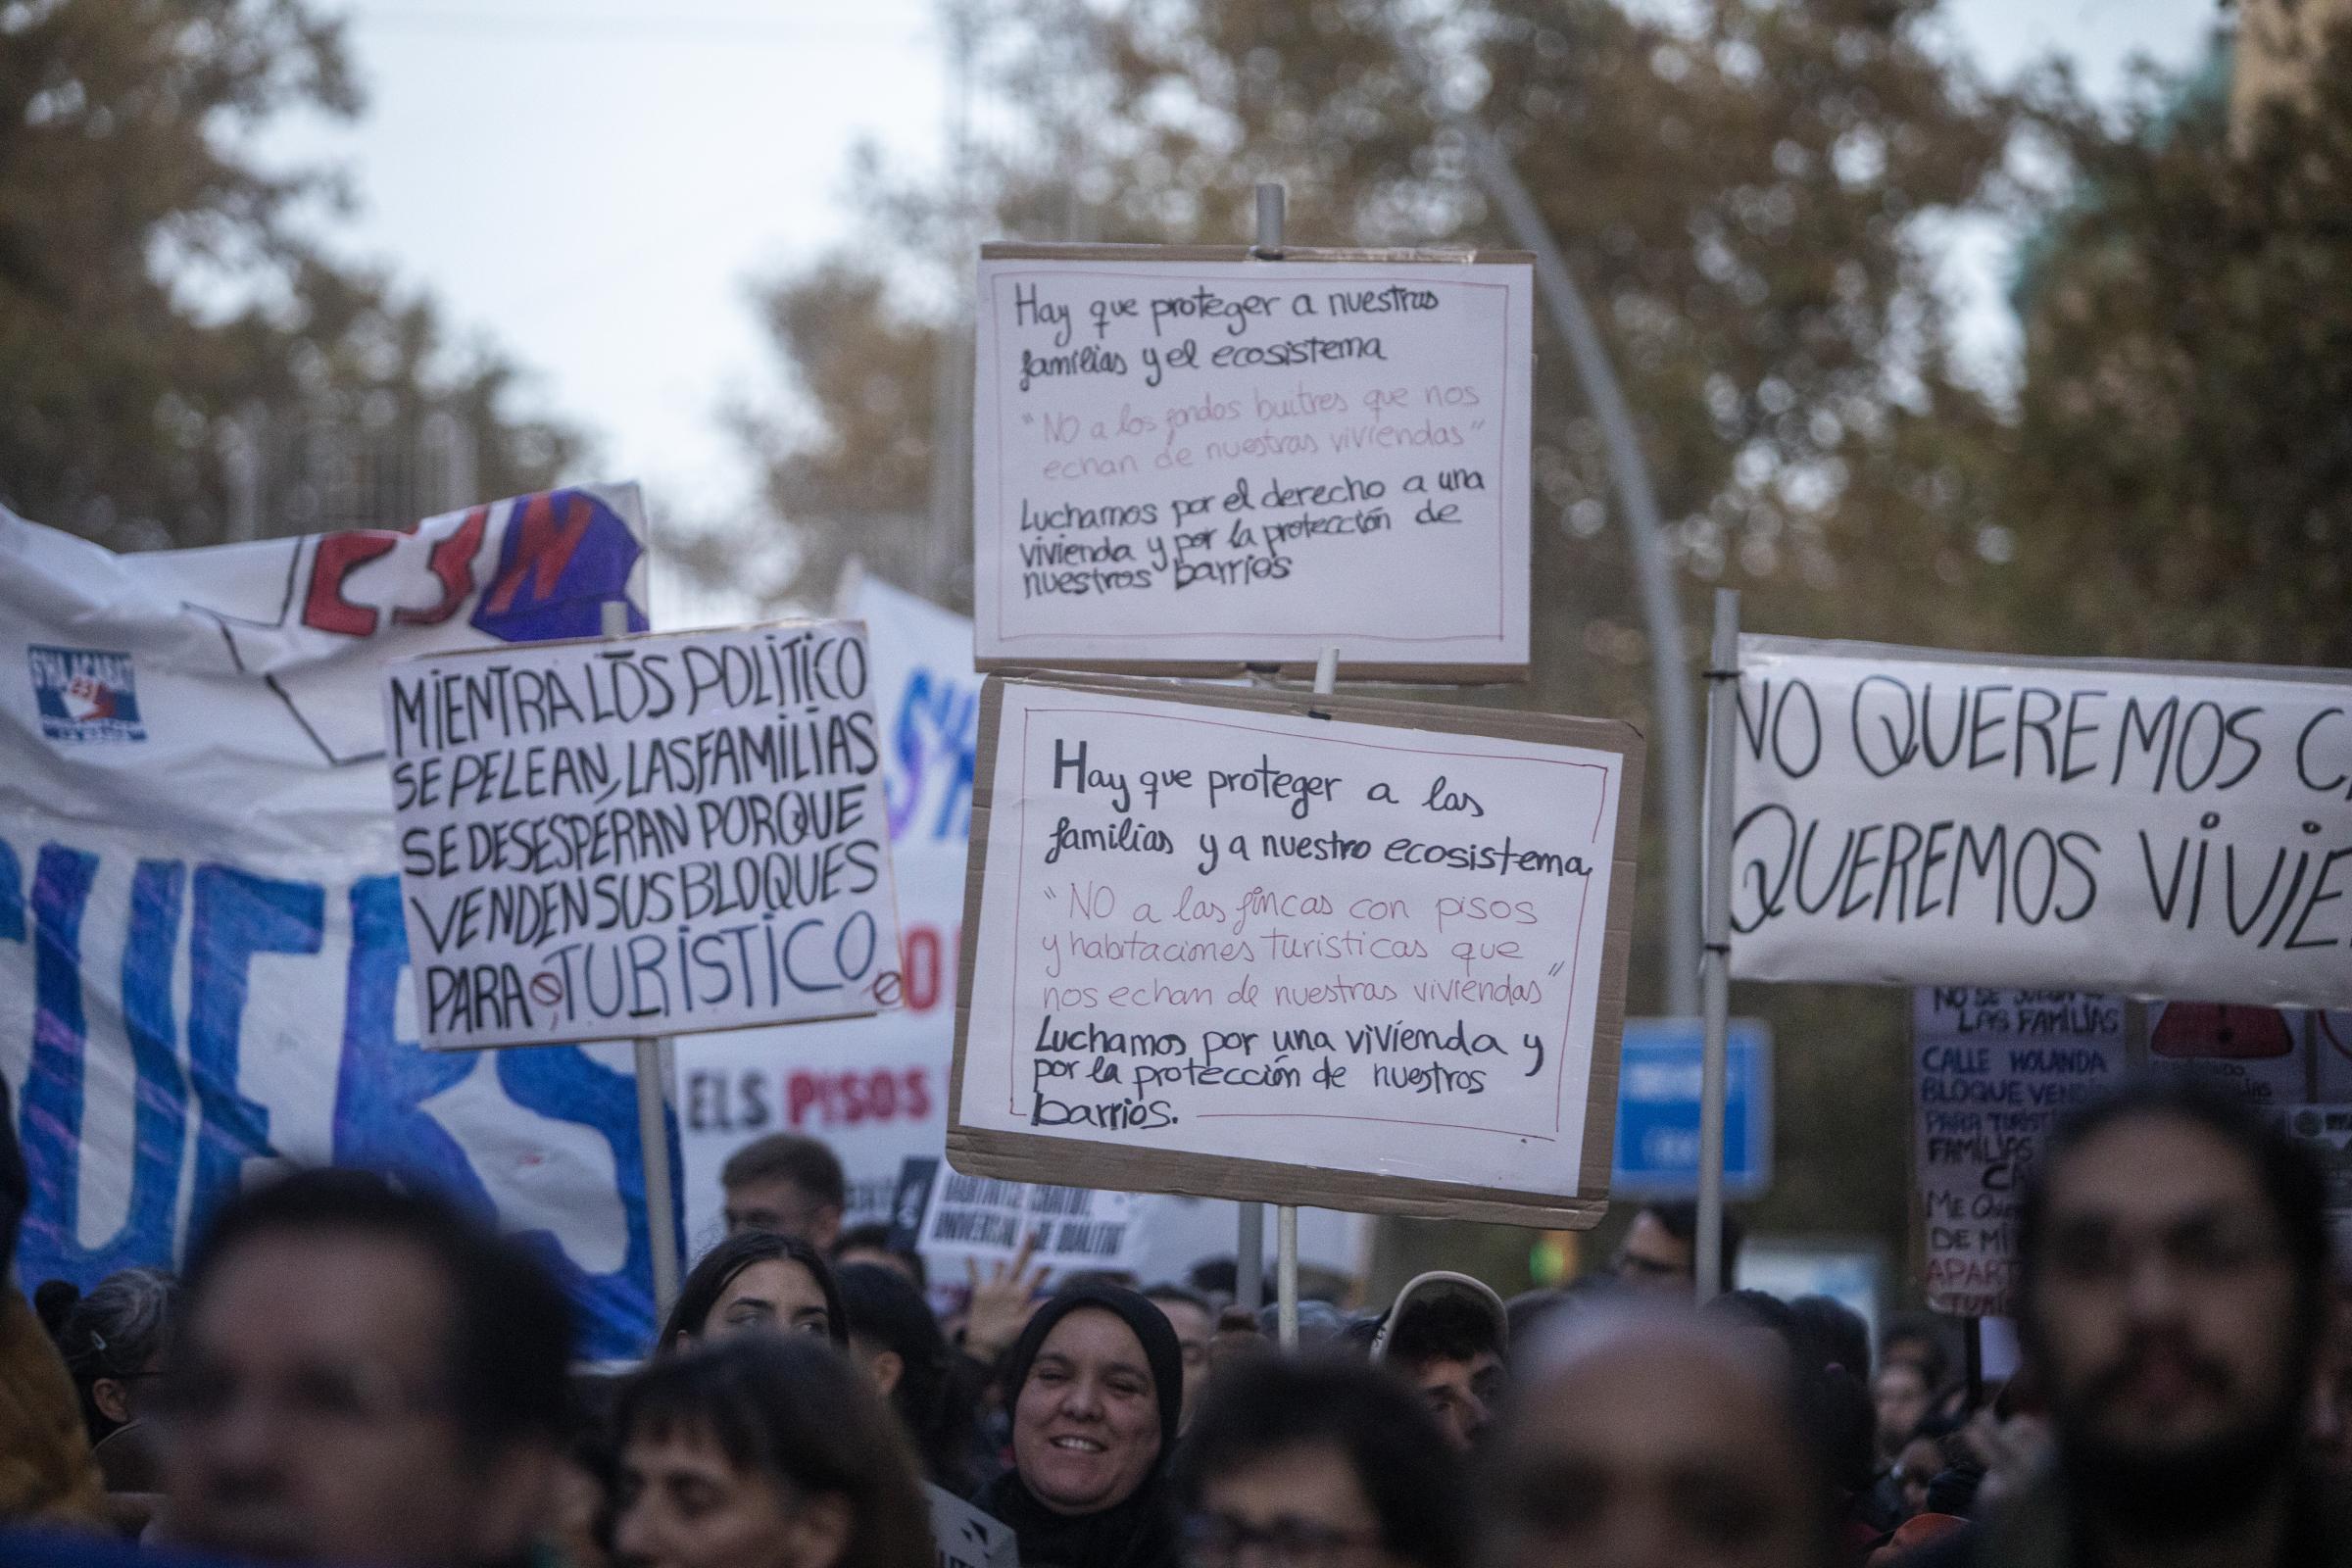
[{"x": 1096, "y": 1386}]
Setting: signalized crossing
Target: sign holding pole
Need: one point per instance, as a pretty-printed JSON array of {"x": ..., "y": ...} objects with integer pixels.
[
  {"x": 1360, "y": 954},
  {"x": 653, "y": 1115},
  {"x": 1723, "y": 675}
]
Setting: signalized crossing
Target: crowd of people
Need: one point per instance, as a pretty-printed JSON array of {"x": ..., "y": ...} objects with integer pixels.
[{"x": 348, "y": 1371}]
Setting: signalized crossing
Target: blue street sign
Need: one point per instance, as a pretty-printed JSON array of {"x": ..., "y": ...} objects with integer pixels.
[{"x": 1657, "y": 1108}]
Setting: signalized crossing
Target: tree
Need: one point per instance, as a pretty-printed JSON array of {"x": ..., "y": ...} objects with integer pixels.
[
  {"x": 138, "y": 415},
  {"x": 2180, "y": 473}
]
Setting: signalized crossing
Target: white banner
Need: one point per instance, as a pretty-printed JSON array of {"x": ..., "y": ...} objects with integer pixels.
[
  {"x": 201, "y": 948},
  {"x": 1180, "y": 461},
  {"x": 643, "y": 835},
  {"x": 1912, "y": 818}
]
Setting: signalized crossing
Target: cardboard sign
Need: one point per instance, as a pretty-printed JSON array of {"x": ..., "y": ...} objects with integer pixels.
[
  {"x": 1995, "y": 1069},
  {"x": 1188, "y": 460},
  {"x": 2177, "y": 830},
  {"x": 642, "y": 835},
  {"x": 1341, "y": 951}
]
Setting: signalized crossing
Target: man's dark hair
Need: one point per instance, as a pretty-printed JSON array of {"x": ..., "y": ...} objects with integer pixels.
[
  {"x": 1169, "y": 1291},
  {"x": 1834, "y": 1333},
  {"x": 1444, "y": 1327},
  {"x": 804, "y": 1161},
  {"x": 511, "y": 1326},
  {"x": 708, "y": 1280},
  {"x": 1680, "y": 1217},
  {"x": 2290, "y": 1181},
  {"x": 887, "y": 1313},
  {"x": 1215, "y": 1276},
  {"x": 53, "y": 1302},
  {"x": 1921, "y": 1329},
  {"x": 1404, "y": 1467},
  {"x": 874, "y": 1237}
]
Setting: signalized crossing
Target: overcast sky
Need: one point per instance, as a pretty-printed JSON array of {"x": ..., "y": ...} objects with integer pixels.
[{"x": 593, "y": 185}]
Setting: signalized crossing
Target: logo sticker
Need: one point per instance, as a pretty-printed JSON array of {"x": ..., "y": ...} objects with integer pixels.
[{"x": 84, "y": 694}]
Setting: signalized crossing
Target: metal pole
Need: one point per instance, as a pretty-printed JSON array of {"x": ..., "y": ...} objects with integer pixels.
[
  {"x": 1637, "y": 503},
  {"x": 1286, "y": 1215},
  {"x": 653, "y": 1112},
  {"x": 1270, "y": 202},
  {"x": 1249, "y": 1255},
  {"x": 1723, "y": 693},
  {"x": 1249, "y": 1259}
]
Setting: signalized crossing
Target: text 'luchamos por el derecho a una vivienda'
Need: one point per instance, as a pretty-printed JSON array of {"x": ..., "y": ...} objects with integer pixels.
[
  {"x": 1163, "y": 445},
  {"x": 1226, "y": 915},
  {"x": 1148, "y": 347},
  {"x": 687, "y": 829}
]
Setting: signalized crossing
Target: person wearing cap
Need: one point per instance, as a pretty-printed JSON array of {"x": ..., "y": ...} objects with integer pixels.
[
  {"x": 1448, "y": 1334},
  {"x": 1096, "y": 1387}
]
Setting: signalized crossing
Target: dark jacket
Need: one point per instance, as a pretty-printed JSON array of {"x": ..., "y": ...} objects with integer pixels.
[{"x": 2037, "y": 1530}]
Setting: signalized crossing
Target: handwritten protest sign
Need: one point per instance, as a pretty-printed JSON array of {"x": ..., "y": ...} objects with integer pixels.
[
  {"x": 1186, "y": 463},
  {"x": 2158, "y": 830},
  {"x": 646, "y": 834},
  {"x": 1346, "y": 951},
  {"x": 1995, "y": 1071},
  {"x": 986, "y": 1219}
]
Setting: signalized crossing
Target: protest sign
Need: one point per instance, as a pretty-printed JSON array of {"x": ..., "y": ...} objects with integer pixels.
[
  {"x": 1342, "y": 951},
  {"x": 201, "y": 940},
  {"x": 628, "y": 837},
  {"x": 986, "y": 1219},
  {"x": 1995, "y": 1069},
  {"x": 965, "y": 1538},
  {"x": 2326, "y": 1131},
  {"x": 1186, "y": 460},
  {"x": 2255, "y": 1054},
  {"x": 2175, "y": 830}
]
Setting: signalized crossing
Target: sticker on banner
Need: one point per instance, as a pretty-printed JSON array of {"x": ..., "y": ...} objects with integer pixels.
[{"x": 84, "y": 694}]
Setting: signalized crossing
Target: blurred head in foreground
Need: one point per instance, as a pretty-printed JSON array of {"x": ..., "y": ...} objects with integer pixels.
[
  {"x": 1319, "y": 1462},
  {"x": 765, "y": 1450},
  {"x": 362, "y": 1375},
  {"x": 2172, "y": 1299},
  {"x": 1643, "y": 1437}
]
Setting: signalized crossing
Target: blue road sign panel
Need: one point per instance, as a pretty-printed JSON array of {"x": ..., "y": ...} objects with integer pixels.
[{"x": 1657, "y": 1108}]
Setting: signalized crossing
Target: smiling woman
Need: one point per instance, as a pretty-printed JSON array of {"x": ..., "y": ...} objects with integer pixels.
[{"x": 1096, "y": 1385}]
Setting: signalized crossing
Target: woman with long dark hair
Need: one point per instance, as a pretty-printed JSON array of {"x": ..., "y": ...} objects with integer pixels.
[{"x": 755, "y": 1279}]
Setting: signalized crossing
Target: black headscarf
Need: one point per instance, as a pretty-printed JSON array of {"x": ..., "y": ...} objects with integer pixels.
[{"x": 1137, "y": 1532}]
